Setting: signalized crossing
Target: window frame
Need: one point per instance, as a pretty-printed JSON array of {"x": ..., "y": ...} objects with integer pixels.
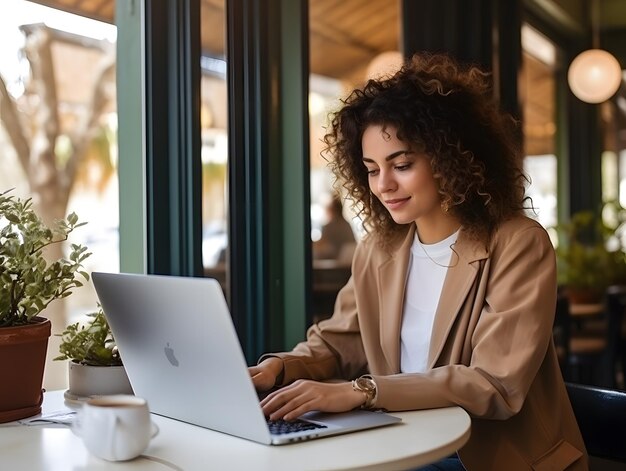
[{"x": 160, "y": 165}]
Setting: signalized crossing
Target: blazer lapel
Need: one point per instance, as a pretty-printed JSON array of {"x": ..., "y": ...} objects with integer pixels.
[
  {"x": 391, "y": 285},
  {"x": 458, "y": 281}
]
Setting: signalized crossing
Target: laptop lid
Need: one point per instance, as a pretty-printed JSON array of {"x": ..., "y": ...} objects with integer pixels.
[{"x": 181, "y": 352}]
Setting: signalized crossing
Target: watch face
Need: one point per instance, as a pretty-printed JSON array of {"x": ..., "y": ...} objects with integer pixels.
[{"x": 366, "y": 384}]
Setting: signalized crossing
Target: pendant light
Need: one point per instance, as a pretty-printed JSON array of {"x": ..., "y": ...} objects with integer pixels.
[{"x": 594, "y": 75}]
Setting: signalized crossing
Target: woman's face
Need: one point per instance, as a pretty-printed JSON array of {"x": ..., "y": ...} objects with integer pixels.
[{"x": 400, "y": 177}]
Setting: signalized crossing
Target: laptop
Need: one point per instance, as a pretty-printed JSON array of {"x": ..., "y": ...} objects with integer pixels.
[{"x": 181, "y": 352}]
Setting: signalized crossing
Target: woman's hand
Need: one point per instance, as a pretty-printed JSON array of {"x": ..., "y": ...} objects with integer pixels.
[
  {"x": 303, "y": 396},
  {"x": 265, "y": 373}
]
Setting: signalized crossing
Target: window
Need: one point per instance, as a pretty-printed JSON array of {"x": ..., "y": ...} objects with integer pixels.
[
  {"x": 214, "y": 134},
  {"x": 538, "y": 97},
  {"x": 349, "y": 42},
  {"x": 60, "y": 111}
]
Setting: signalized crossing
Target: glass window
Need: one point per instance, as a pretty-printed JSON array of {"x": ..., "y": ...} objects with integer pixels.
[
  {"x": 538, "y": 97},
  {"x": 58, "y": 137},
  {"x": 619, "y": 136},
  {"x": 214, "y": 122},
  {"x": 612, "y": 122},
  {"x": 622, "y": 178},
  {"x": 349, "y": 42}
]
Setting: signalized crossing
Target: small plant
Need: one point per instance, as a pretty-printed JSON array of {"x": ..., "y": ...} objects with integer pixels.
[
  {"x": 90, "y": 344},
  {"x": 28, "y": 282},
  {"x": 591, "y": 253}
]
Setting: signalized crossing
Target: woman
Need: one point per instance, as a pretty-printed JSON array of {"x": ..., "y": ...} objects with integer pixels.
[{"x": 453, "y": 291}]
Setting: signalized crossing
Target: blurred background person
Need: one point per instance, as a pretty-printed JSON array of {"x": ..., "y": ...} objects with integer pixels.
[{"x": 337, "y": 241}]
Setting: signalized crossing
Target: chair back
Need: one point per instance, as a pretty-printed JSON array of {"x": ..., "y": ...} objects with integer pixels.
[
  {"x": 616, "y": 305},
  {"x": 561, "y": 332},
  {"x": 601, "y": 417},
  {"x": 591, "y": 356}
]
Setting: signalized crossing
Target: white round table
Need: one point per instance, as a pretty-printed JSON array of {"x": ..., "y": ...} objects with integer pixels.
[{"x": 422, "y": 437}]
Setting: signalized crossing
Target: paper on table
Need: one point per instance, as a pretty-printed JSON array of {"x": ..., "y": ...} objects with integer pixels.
[{"x": 62, "y": 417}]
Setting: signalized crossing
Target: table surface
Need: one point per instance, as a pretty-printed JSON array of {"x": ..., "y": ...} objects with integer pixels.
[{"x": 423, "y": 437}]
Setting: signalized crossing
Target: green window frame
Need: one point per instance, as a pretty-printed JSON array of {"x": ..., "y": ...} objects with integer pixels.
[{"x": 160, "y": 178}]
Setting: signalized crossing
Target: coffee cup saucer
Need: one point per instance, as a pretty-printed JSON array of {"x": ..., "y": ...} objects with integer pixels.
[{"x": 75, "y": 399}]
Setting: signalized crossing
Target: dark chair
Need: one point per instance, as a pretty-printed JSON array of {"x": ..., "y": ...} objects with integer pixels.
[
  {"x": 562, "y": 333},
  {"x": 580, "y": 353},
  {"x": 601, "y": 417},
  {"x": 591, "y": 355},
  {"x": 616, "y": 343},
  {"x": 328, "y": 278}
]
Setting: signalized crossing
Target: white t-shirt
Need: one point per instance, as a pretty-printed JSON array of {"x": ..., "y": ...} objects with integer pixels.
[{"x": 427, "y": 271}]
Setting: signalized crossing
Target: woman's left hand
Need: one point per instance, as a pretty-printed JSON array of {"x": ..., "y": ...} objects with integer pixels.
[{"x": 304, "y": 395}]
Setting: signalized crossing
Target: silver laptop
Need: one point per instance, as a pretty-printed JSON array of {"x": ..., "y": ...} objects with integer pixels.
[{"x": 181, "y": 352}]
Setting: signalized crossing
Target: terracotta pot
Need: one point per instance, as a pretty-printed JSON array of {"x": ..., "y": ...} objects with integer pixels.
[
  {"x": 22, "y": 363},
  {"x": 88, "y": 380}
]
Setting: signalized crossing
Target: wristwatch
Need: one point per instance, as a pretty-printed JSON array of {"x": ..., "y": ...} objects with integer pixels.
[{"x": 367, "y": 386}]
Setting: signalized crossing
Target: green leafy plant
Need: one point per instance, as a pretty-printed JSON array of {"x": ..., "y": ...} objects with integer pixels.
[
  {"x": 590, "y": 254},
  {"x": 90, "y": 344},
  {"x": 28, "y": 282}
]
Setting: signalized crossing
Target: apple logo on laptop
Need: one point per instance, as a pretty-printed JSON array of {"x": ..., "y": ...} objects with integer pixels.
[{"x": 169, "y": 353}]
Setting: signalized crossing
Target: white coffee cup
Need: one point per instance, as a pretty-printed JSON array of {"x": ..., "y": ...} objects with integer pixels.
[{"x": 116, "y": 427}]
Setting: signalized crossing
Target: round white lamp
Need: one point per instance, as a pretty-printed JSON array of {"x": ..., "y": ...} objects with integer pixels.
[{"x": 594, "y": 76}]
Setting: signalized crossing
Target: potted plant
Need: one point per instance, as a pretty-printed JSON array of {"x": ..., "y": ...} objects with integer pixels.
[
  {"x": 95, "y": 366},
  {"x": 590, "y": 254},
  {"x": 28, "y": 284}
]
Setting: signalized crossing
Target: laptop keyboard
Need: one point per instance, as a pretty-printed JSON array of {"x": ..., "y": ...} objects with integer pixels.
[{"x": 279, "y": 427}]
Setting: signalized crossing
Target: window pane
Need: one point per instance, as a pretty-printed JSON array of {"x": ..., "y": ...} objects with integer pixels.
[
  {"x": 59, "y": 71},
  {"x": 350, "y": 41},
  {"x": 538, "y": 97},
  {"x": 214, "y": 122}
]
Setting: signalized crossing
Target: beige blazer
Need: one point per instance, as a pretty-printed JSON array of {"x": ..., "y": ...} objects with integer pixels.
[{"x": 491, "y": 348}]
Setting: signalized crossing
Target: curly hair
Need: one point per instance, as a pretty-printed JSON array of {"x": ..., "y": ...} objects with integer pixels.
[{"x": 447, "y": 110}]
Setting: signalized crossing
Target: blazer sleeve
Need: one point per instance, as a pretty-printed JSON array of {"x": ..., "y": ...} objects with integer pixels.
[
  {"x": 333, "y": 348},
  {"x": 508, "y": 343}
]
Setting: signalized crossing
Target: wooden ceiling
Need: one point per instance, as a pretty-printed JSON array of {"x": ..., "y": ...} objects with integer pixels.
[
  {"x": 346, "y": 34},
  {"x": 355, "y": 30},
  {"x": 364, "y": 27}
]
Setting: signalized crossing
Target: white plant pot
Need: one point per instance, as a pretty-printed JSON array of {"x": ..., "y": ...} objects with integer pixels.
[{"x": 87, "y": 380}]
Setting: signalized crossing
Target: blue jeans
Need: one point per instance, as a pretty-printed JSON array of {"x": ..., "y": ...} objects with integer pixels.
[{"x": 451, "y": 463}]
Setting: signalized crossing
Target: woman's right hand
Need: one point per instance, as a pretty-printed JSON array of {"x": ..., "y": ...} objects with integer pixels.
[{"x": 265, "y": 373}]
